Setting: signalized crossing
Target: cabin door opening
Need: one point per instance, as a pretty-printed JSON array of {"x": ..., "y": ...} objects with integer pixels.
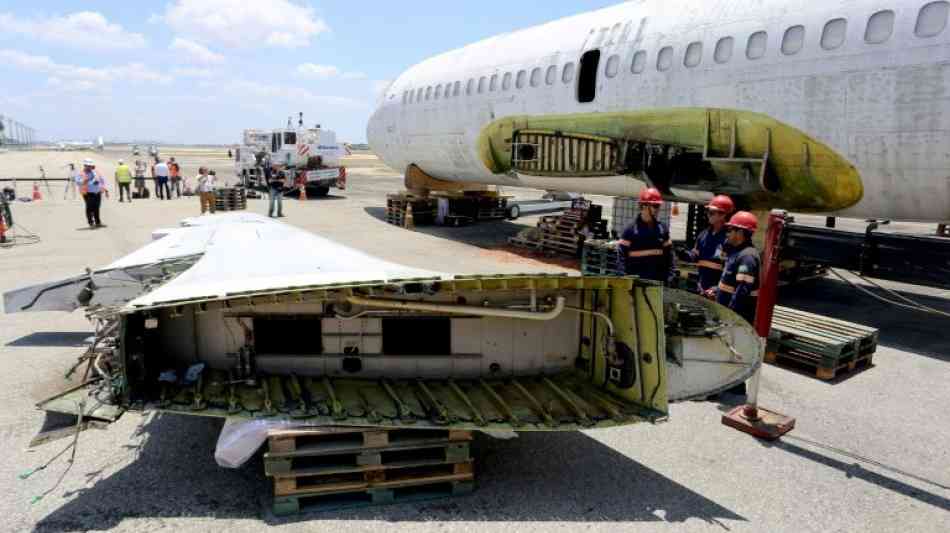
[{"x": 587, "y": 81}]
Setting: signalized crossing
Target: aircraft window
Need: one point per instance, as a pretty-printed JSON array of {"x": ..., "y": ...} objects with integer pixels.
[
  {"x": 470, "y": 86},
  {"x": 568, "y": 75},
  {"x": 834, "y": 34},
  {"x": 694, "y": 54},
  {"x": 481, "y": 84},
  {"x": 419, "y": 95},
  {"x": 758, "y": 43},
  {"x": 438, "y": 91},
  {"x": 587, "y": 82},
  {"x": 404, "y": 98},
  {"x": 536, "y": 77},
  {"x": 551, "y": 75},
  {"x": 639, "y": 62},
  {"x": 429, "y": 93},
  {"x": 493, "y": 84},
  {"x": 521, "y": 79},
  {"x": 724, "y": 50},
  {"x": 613, "y": 66},
  {"x": 932, "y": 19},
  {"x": 794, "y": 40},
  {"x": 456, "y": 88},
  {"x": 506, "y": 82},
  {"x": 290, "y": 137},
  {"x": 880, "y": 27},
  {"x": 664, "y": 60}
]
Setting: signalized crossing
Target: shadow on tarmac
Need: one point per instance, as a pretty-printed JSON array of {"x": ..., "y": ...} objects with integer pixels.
[
  {"x": 852, "y": 468},
  {"x": 543, "y": 477},
  {"x": 54, "y": 339},
  {"x": 912, "y": 331}
]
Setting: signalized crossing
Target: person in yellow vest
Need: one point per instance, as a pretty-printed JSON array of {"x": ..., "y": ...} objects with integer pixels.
[{"x": 123, "y": 180}]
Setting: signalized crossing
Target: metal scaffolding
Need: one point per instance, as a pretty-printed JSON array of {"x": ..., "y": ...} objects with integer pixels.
[{"x": 15, "y": 134}]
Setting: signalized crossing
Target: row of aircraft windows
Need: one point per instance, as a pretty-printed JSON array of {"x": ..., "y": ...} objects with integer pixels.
[{"x": 931, "y": 21}]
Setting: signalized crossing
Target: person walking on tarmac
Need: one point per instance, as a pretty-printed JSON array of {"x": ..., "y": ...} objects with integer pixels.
[
  {"x": 123, "y": 180},
  {"x": 711, "y": 248},
  {"x": 739, "y": 287},
  {"x": 93, "y": 186},
  {"x": 646, "y": 246}
]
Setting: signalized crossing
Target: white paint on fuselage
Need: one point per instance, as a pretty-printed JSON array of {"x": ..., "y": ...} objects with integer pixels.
[{"x": 882, "y": 106}]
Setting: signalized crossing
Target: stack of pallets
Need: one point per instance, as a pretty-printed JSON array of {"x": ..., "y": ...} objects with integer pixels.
[
  {"x": 565, "y": 234},
  {"x": 230, "y": 199},
  {"x": 601, "y": 258},
  {"x": 423, "y": 209},
  {"x": 321, "y": 469},
  {"x": 821, "y": 346}
]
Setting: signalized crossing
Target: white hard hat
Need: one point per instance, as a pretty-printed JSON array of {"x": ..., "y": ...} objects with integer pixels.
[
  {"x": 122, "y": 161},
  {"x": 88, "y": 162}
]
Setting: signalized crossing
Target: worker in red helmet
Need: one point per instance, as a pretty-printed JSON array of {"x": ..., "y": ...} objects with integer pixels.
[
  {"x": 710, "y": 251},
  {"x": 739, "y": 287},
  {"x": 646, "y": 246}
]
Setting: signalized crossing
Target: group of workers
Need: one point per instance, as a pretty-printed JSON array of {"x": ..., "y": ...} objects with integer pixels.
[
  {"x": 92, "y": 186},
  {"x": 727, "y": 261}
]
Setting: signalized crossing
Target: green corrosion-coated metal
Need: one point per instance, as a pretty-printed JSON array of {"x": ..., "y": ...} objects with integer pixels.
[{"x": 811, "y": 175}]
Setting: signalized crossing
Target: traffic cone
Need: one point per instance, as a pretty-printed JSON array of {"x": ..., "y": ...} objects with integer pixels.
[
  {"x": 676, "y": 209},
  {"x": 36, "y": 192},
  {"x": 408, "y": 221},
  {"x": 303, "y": 193}
]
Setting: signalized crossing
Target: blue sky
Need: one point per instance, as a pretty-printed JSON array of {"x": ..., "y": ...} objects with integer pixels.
[{"x": 200, "y": 71}]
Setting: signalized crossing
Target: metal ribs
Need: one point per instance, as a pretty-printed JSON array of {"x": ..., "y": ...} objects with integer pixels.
[{"x": 550, "y": 153}]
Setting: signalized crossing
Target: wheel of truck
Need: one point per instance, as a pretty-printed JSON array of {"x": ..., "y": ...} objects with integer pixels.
[
  {"x": 318, "y": 192},
  {"x": 514, "y": 212}
]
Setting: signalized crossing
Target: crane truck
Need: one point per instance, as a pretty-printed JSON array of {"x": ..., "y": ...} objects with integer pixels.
[{"x": 308, "y": 157}]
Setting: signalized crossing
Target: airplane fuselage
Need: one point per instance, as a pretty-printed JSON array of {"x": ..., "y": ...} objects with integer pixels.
[{"x": 837, "y": 106}]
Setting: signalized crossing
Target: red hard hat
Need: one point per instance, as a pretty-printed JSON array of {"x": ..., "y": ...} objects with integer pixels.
[
  {"x": 722, "y": 203},
  {"x": 651, "y": 196},
  {"x": 744, "y": 220}
]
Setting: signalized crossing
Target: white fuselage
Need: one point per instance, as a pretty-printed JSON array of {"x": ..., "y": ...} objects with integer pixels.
[{"x": 871, "y": 86}]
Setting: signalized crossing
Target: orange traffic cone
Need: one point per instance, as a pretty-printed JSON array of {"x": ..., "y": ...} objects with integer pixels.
[
  {"x": 36, "y": 192},
  {"x": 303, "y": 193}
]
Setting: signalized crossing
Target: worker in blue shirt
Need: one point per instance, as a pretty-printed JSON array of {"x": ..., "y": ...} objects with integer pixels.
[
  {"x": 711, "y": 248},
  {"x": 739, "y": 287},
  {"x": 645, "y": 246}
]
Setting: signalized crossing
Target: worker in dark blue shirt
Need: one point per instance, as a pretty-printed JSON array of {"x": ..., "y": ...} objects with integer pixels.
[
  {"x": 739, "y": 287},
  {"x": 646, "y": 246},
  {"x": 710, "y": 250}
]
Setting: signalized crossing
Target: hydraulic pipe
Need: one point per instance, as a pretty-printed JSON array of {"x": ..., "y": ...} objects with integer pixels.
[{"x": 461, "y": 309}]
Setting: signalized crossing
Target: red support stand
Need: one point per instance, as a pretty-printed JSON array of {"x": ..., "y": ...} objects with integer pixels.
[{"x": 750, "y": 418}]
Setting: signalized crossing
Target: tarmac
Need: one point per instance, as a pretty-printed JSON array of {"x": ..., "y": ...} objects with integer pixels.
[{"x": 869, "y": 453}]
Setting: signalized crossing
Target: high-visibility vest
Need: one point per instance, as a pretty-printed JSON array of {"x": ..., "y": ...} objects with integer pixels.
[{"x": 123, "y": 174}]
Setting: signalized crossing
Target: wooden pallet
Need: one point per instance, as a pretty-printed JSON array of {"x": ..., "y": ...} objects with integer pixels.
[
  {"x": 292, "y": 505},
  {"x": 369, "y": 477},
  {"x": 322, "y": 440},
  {"x": 322, "y": 450},
  {"x": 830, "y": 341},
  {"x": 811, "y": 365}
]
